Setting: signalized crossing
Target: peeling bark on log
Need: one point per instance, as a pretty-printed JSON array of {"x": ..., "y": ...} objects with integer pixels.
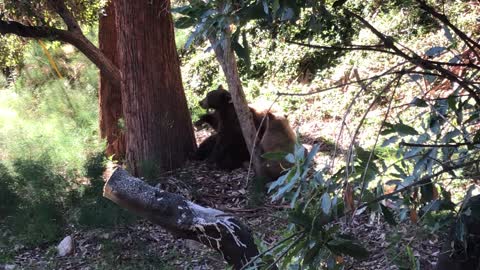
[{"x": 183, "y": 218}]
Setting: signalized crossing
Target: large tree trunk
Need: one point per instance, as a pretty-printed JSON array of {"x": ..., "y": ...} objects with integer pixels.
[
  {"x": 159, "y": 130},
  {"x": 110, "y": 95},
  {"x": 183, "y": 218}
]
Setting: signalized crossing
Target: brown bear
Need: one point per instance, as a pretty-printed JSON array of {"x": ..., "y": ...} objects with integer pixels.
[{"x": 278, "y": 137}]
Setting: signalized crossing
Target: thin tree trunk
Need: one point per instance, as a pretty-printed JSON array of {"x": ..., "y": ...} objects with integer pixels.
[
  {"x": 159, "y": 130},
  {"x": 110, "y": 95},
  {"x": 228, "y": 62}
]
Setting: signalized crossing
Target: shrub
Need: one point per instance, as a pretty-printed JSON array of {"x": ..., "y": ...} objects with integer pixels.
[{"x": 94, "y": 210}]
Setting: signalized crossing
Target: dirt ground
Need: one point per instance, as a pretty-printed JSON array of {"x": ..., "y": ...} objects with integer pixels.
[{"x": 147, "y": 246}]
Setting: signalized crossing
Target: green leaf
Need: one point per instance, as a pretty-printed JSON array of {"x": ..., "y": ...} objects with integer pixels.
[
  {"x": 326, "y": 203},
  {"x": 242, "y": 51},
  {"x": 280, "y": 181},
  {"x": 348, "y": 247},
  {"x": 435, "y": 51},
  {"x": 292, "y": 180},
  {"x": 389, "y": 141},
  {"x": 311, "y": 254},
  {"x": 275, "y": 155},
  {"x": 299, "y": 218},
  {"x": 185, "y": 22},
  {"x": 448, "y": 34},
  {"x": 427, "y": 192},
  {"x": 404, "y": 129},
  {"x": 419, "y": 102},
  {"x": 388, "y": 215},
  {"x": 452, "y": 102},
  {"x": 290, "y": 158}
]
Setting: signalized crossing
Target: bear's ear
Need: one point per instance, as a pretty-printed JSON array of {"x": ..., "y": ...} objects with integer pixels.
[{"x": 220, "y": 87}]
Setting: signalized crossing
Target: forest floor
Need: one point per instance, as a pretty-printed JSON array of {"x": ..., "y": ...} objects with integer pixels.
[{"x": 147, "y": 246}]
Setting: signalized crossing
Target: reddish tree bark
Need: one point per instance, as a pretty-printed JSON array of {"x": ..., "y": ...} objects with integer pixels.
[
  {"x": 159, "y": 130},
  {"x": 110, "y": 95}
]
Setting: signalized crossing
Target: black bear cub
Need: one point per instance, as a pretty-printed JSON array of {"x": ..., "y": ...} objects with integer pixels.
[{"x": 226, "y": 149}]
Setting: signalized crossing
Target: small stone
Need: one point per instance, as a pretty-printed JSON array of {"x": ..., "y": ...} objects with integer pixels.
[
  {"x": 65, "y": 247},
  {"x": 9, "y": 266},
  {"x": 194, "y": 245}
]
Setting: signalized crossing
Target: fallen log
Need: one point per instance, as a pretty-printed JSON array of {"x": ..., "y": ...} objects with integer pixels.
[{"x": 184, "y": 219}]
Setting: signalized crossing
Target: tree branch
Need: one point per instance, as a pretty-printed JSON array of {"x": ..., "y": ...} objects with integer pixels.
[
  {"x": 67, "y": 17},
  {"x": 441, "y": 17},
  {"x": 438, "y": 145},
  {"x": 415, "y": 59},
  {"x": 422, "y": 181},
  {"x": 37, "y": 32},
  {"x": 376, "y": 48},
  {"x": 77, "y": 39}
]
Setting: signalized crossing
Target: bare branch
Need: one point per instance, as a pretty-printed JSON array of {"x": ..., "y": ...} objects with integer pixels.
[
  {"x": 415, "y": 58},
  {"x": 38, "y": 32},
  {"x": 441, "y": 17},
  {"x": 376, "y": 48},
  {"x": 76, "y": 39},
  {"x": 438, "y": 145}
]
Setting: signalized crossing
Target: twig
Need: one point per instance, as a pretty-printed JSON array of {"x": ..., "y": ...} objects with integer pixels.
[
  {"x": 422, "y": 181},
  {"x": 388, "y": 72},
  {"x": 375, "y": 48},
  {"x": 415, "y": 59},
  {"x": 441, "y": 17},
  {"x": 272, "y": 248},
  {"x": 357, "y": 130},
  {"x": 438, "y": 145},
  {"x": 364, "y": 186}
]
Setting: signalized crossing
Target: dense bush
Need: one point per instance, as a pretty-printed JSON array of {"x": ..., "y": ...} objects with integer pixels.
[
  {"x": 36, "y": 207},
  {"x": 50, "y": 169},
  {"x": 95, "y": 211}
]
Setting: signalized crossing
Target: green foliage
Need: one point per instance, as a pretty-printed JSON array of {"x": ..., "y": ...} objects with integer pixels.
[
  {"x": 8, "y": 198},
  {"x": 48, "y": 132},
  {"x": 95, "y": 211},
  {"x": 10, "y": 53},
  {"x": 38, "y": 217},
  {"x": 42, "y": 116}
]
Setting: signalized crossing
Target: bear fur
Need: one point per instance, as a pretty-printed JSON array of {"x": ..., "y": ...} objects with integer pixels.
[
  {"x": 278, "y": 137},
  {"x": 227, "y": 147},
  {"x": 206, "y": 147},
  {"x": 210, "y": 119}
]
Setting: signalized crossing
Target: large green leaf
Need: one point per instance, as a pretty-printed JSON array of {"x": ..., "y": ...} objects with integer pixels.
[
  {"x": 326, "y": 203},
  {"x": 403, "y": 129},
  {"x": 185, "y": 22},
  {"x": 388, "y": 215},
  {"x": 346, "y": 246}
]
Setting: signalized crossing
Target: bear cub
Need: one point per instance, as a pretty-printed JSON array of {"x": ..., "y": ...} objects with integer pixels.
[{"x": 226, "y": 149}]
